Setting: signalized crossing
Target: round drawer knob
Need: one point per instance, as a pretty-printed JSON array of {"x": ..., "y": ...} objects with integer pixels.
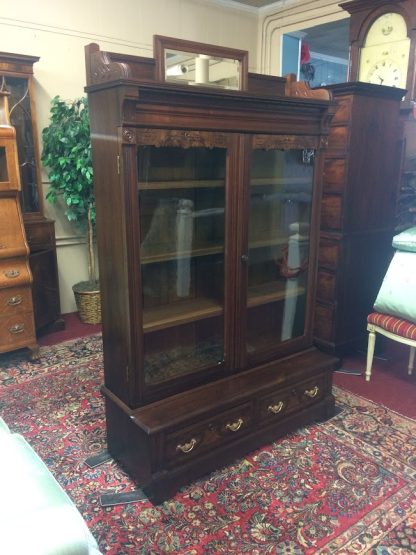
[{"x": 187, "y": 447}]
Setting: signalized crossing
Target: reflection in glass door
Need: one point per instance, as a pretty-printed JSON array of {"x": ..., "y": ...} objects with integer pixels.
[
  {"x": 182, "y": 204},
  {"x": 278, "y": 247}
]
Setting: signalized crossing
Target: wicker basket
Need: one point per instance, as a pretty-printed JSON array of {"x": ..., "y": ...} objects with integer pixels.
[{"x": 88, "y": 299}]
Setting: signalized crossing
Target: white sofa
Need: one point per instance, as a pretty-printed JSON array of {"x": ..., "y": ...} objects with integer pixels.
[{"x": 36, "y": 515}]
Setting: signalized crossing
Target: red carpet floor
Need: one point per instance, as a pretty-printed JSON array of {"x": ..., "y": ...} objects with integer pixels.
[
  {"x": 390, "y": 385},
  {"x": 347, "y": 485}
]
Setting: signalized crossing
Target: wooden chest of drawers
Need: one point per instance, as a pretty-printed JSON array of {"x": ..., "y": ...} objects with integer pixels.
[
  {"x": 17, "y": 326},
  {"x": 360, "y": 180}
]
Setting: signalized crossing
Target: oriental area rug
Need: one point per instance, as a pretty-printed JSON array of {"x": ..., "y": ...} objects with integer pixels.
[{"x": 347, "y": 485}]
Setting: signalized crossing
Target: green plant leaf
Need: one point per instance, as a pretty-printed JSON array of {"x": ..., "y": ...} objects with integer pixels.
[{"x": 66, "y": 154}]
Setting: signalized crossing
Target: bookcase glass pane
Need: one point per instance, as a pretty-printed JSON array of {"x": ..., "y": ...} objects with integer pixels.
[
  {"x": 21, "y": 119},
  {"x": 182, "y": 217},
  {"x": 4, "y": 176},
  {"x": 278, "y": 240}
]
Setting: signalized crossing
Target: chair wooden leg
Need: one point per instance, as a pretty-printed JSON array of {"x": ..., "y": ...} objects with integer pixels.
[
  {"x": 370, "y": 354},
  {"x": 411, "y": 360}
]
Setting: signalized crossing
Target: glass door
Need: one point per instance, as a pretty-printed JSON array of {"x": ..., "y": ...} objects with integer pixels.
[
  {"x": 279, "y": 226},
  {"x": 182, "y": 202}
]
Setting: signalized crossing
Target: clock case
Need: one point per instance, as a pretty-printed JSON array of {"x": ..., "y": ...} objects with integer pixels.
[{"x": 363, "y": 14}]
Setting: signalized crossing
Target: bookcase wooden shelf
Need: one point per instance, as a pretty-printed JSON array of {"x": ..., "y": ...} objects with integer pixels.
[{"x": 159, "y": 318}]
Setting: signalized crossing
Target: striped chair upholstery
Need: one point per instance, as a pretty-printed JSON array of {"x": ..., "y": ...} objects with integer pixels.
[{"x": 394, "y": 328}]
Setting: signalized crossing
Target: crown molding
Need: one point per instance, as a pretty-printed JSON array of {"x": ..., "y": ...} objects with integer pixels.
[
  {"x": 264, "y": 10},
  {"x": 234, "y": 6}
]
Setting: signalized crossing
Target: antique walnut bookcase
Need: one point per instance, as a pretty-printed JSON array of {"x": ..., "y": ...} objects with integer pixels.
[{"x": 207, "y": 180}]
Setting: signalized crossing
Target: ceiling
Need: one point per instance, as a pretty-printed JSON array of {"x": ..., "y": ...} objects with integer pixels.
[{"x": 256, "y": 3}]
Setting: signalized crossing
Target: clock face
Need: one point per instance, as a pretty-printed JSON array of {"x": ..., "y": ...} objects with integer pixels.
[
  {"x": 385, "y": 55},
  {"x": 385, "y": 72}
]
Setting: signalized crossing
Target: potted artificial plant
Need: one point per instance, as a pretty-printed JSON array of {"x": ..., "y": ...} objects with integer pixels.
[{"x": 67, "y": 155}]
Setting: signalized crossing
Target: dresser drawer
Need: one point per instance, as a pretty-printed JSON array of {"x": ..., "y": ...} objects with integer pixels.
[
  {"x": 329, "y": 254},
  {"x": 14, "y": 272},
  {"x": 343, "y": 111},
  {"x": 277, "y": 405},
  {"x": 331, "y": 212},
  {"x": 326, "y": 286},
  {"x": 197, "y": 439},
  {"x": 324, "y": 321},
  {"x": 16, "y": 330},
  {"x": 338, "y": 137},
  {"x": 15, "y": 300},
  {"x": 40, "y": 235},
  {"x": 334, "y": 175}
]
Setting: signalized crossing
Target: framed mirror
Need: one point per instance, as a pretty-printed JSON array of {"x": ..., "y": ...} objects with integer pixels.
[{"x": 193, "y": 63}]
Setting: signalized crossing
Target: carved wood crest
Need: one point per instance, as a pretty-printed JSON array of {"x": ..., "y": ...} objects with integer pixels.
[
  {"x": 285, "y": 142},
  {"x": 182, "y": 139},
  {"x": 102, "y": 69}
]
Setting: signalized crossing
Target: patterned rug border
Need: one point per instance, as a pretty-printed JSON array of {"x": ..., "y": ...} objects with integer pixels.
[{"x": 336, "y": 387}]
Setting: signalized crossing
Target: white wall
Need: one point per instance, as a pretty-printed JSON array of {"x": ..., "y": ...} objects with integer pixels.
[{"x": 57, "y": 31}]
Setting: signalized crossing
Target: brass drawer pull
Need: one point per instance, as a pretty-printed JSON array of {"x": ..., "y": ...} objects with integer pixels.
[
  {"x": 17, "y": 328},
  {"x": 312, "y": 392},
  {"x": 12, "y": 273},
  {"x": 187, "y": 447},
  {"x": 14, "y": 301},
  {"x": 235, "y": 426},
  {"x": 275, "y": 409}
]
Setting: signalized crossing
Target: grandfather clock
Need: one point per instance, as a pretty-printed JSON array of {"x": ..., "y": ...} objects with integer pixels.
[
  {"x": 383, "y": 51},
  {"x": 383, "y": 43},
  {"x": 16, "y": 78}
]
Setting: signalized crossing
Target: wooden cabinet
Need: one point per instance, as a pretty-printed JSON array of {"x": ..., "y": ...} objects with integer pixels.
[
  {"x": 17, "y": 327},
  {"x": 360, "y": 183},
  {"x": 208, "y": 204},
  {"x": 16, "y": 73}
]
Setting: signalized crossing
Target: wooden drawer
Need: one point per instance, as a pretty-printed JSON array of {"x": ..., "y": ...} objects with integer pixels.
[
  {"x": 40, "y": 235},
  {"x": 14, "y": 272},
  {"x": 331, "y": 212},
  {"x": 277, "y": 405},
  {"x": 324, "y": 321},
  {"x": 16, "y": 331},
  {"x": 329, "y": 254},
  {"x": 197, "y": 439},
  {"x": 338, "y": 137},
  {"x": 326, "y": 286},
  {"x": 343, "y": 112},
  {"x": 15, "y": 300},
  {"x": 334, "y": 175}
]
